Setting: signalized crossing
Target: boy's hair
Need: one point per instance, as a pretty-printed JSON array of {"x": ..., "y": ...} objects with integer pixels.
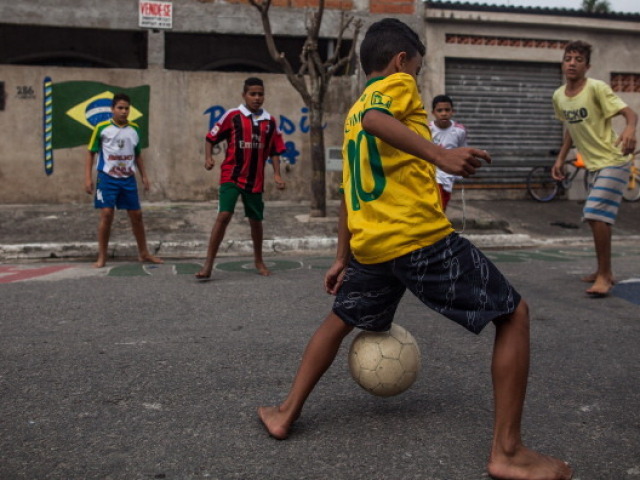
[
  {"x": 252, "y": 82},
  {"x": 441, "y": 99},
  {"x": 385, "y": 39},
  {"x": 118, "y": 97},
  {"x": 583, "y": 48}
]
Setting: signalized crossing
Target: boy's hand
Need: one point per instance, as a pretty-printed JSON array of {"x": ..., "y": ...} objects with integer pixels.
[
  {"x": 463, "y": 161},
  {"x": 280, "y": 184},
  {"x": 334, "y": 276},
  {"x": 209, "y": 163},
  {"x": 627, "y": 140},
  {"x": 88, "y": 186},
  {"x": 146, "y": 184},
  {"x": 557, "y": 171}
]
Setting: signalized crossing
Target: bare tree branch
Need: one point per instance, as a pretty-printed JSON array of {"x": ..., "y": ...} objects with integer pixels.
[
  {"x": 296, "y": 81},
  {"x": 312, "y": 81}
]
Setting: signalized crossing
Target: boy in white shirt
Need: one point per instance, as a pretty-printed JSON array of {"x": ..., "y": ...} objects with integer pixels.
[{"x": 448, "y": 134}]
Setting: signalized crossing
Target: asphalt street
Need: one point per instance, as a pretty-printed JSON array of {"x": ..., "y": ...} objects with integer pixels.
[{"x": 132, "y": 373}]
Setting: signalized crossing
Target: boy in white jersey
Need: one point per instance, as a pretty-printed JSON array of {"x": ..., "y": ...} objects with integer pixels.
[
  {"x": 117, "y": 143},
  {"x": 448, "y": 134},
  {"x": 586, "y": 107},
  {"x": 393, "y": 235}
]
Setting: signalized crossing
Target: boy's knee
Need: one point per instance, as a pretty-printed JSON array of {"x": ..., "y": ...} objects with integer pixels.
[
  {"x": 224, "y": 217},
  {"x": 522, "y": 309},
  {"x": 336, "y": 323},
  {"x": 107, "y": 214},
  {"x": 135, "y": 215},
  {"x": 519, "y": 316}
]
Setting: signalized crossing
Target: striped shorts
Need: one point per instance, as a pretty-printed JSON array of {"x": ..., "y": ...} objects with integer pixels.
[{"x": 605, "y": 193}]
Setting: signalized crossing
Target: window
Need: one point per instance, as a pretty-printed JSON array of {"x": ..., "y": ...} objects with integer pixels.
[
  {"x": 234, "y": 53},
  {"x": 72, "y": 47}
]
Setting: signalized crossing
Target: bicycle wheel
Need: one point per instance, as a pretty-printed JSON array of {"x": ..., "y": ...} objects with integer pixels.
[
  {"x": 541, "y": 185},
  {"x": 631, "y": 192}
]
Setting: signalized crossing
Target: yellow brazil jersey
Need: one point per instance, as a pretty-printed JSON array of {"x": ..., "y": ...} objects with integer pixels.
[
  {"x": 392, "y": 198},
  {"x": 587, "y": 116}
]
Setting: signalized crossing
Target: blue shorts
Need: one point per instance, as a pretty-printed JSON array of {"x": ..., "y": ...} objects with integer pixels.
[
  {"x": 116, "y": 192},
  {"x": 452, "y": 277}
]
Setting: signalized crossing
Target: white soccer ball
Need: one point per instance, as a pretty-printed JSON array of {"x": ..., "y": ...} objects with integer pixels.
[{"x": 384, "y": 363}]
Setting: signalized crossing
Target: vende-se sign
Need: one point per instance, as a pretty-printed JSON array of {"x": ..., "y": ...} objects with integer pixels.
[{"x": 155, "y": 14}]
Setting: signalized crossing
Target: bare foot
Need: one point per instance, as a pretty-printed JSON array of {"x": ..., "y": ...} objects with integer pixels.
[
  {"x": 526, "y": 464},
  {"x": 204, "y": 274},
  {"x": 100, "y": 263},
  {"x": 601, "y": 287},
  {"x": 262, "y": 269},
  {"x": 149, "y": 259},
  {"x": 591, "y": 278},
  {"x": 275, "y": 422}
]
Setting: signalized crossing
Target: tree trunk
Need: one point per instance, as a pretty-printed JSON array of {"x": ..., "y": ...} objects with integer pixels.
[{"x": 318, "y": 167}]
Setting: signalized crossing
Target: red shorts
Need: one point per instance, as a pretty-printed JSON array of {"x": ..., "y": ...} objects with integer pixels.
[{"x": 445, "y": 196}]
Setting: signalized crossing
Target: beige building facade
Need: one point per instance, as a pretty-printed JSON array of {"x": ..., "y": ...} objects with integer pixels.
[{"x": 500, "y": 65}]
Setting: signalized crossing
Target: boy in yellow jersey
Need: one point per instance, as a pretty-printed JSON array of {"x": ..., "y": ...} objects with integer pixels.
[
  {"x": 393, "y": 235},
  {"x": 586, "y": 106}
]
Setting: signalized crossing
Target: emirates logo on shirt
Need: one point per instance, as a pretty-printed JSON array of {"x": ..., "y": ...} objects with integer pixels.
[{"x": 255, "y": 144}]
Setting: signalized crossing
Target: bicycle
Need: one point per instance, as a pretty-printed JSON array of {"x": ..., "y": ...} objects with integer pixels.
[{"x": 544, "y": 188}]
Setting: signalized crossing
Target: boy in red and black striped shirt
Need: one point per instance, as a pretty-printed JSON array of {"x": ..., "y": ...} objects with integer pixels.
[{"x": 252, "y": 136}]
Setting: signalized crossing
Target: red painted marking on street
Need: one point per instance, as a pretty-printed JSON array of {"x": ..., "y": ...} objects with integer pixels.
[{"x": 12, "y": 273}]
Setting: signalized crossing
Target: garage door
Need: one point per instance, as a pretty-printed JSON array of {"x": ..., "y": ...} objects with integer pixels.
[{"x": 506, "y": 107}]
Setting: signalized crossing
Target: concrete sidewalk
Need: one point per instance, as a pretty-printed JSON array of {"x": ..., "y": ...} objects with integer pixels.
[{"x": 181, "y": 230}]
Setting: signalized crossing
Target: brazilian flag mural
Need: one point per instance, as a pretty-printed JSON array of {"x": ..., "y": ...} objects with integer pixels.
[{"x": 72, "y": 109}]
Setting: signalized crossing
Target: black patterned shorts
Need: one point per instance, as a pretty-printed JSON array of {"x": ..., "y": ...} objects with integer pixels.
[{"x": 452, "y": 277}]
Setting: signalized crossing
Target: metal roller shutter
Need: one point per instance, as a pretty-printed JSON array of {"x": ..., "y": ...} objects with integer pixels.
[{"x": 506, "y": 107}]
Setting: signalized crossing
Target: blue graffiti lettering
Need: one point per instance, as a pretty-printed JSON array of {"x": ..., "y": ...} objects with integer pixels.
[
  {"x": 291, "y": 154},
  {"x": 287, "y": 126},
  {"x": 215, "y": 113},
  {"x": 304, "y": 121}
]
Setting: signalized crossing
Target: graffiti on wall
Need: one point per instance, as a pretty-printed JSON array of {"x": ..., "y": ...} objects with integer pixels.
[
  {"x": 73, "y": 109},
  {"x": 286, "y": 125}
]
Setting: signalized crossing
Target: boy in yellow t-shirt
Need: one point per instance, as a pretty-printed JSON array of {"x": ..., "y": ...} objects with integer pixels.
[
  {"x": 586, "y": 107},
  {"x": 393, "y": 235}
]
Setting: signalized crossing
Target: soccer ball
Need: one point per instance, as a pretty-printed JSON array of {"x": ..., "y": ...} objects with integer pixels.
[{"x": 384, "y": 363}]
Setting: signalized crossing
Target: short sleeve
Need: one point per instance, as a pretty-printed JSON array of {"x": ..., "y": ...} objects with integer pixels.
[
  {"x": 396, "y": 95},
  {"x": 220, "y": 130},
  {"x": 277, "y": 144},
  {"x": 610, "y": 103},
  {"x": 94, "y": 143},
  {"x": 558, "y": 114},
  {"x": 137, "y": 149},
  {"x": 462, "y": 137}
]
